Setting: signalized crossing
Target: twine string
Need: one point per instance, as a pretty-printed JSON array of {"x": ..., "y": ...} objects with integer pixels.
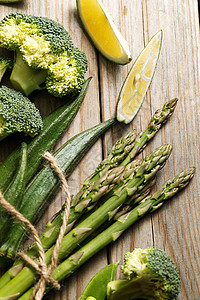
[{"x": 41, "y": 268}]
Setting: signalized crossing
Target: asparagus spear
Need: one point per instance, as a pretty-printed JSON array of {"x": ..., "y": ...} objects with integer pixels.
[
  {"x": 147, "y": 170},
  {"x": 160, "y": 117},
  {"x": 125, "y": 150},
  {"x": 24, "y": 279}
]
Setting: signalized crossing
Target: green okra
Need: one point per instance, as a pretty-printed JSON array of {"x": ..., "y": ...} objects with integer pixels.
[
  {"x": 53, "y": 127},
  {"x": 14, "y": 192}
]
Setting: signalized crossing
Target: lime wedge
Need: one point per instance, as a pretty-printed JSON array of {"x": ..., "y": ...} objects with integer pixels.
[
  {"x": 101, "y": 29},
  {"x": 138, "y": 80}
]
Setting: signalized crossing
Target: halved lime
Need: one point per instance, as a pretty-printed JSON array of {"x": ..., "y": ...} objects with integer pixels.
[
  {"x": 138, "y": 80},
  {"x": 100, "y": 27}
]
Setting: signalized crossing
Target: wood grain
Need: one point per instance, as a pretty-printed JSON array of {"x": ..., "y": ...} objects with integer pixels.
[{"x": 175, "y": 228}]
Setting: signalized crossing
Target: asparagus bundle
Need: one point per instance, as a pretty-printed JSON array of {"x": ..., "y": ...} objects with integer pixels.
[
  {"x": 26, "y": 277},
  {"x": 126, "y": 148}
]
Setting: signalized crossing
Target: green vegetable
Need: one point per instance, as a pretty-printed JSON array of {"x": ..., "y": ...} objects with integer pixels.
[
  {"x": 150, "y": 274},
  {"x": 45, "y": 57},
  {"x": 149, "y": 167},
  {"x": 127, "y": 148},
  {"x": 5, "y": 63},
  {"x": 97, "y": 287},
  {"x": 103, "y": 188},
  {"x": 43, "y": 186},
  {"x": 15, "y": 192},
  {"x": 26, "y": 277},
  {"x": 18, "y": 114},
  {"x": 132, "y": 201},
  {"x": 53, "y": 127}
]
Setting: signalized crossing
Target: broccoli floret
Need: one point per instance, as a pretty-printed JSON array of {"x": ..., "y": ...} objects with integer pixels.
[
  {"x": 18, "y": 114},
  {"x": 5, "y": 63},
  {"x": 149, "y": 274},
  {"x": 45, "y": 55}
]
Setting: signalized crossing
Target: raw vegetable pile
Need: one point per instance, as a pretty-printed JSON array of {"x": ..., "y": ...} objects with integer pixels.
[{"x": 112, "y": 199}]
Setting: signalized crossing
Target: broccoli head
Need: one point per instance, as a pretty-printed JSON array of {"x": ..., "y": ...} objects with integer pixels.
[
  {"x": 5, "y": 63},
  {"x": 149, "y": 274},
  {"x": 18, "y": 114},
  {"x": 45, "y": 55}
]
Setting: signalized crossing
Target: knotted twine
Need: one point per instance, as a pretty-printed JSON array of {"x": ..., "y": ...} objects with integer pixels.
[{"x": 41, "y": 268}]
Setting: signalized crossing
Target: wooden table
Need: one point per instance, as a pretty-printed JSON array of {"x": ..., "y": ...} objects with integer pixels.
[{"x": 174, "y": 228}]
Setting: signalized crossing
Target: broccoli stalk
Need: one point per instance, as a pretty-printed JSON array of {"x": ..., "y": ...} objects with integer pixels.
[
  {"x": 24, "y": 78},
  {"x": 5, "y": 63},
  {"x": 18, "y": 114},
  {"x": 149, "y": 274}
]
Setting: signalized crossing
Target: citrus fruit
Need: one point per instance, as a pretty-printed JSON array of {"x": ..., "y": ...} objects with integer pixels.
[
  {"x": 138, "y": 80},
  {"x": 101, "y": 29}
]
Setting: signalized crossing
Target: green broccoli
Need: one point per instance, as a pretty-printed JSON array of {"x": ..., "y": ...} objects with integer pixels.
[
  {"x": 45, "y": 56},
  {"x": 18, "y": 114},
  {"x": 150, "y": 274},
  {"x": 5, "y": 63}
]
